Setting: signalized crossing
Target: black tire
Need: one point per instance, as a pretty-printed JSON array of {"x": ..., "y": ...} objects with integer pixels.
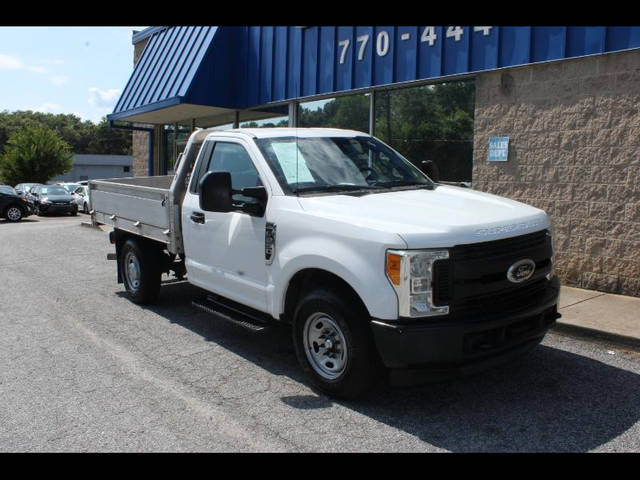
[
  {"x": 362, "y": 367},
  {"x": 13, "y": 213},
  {"x": 37, "y": 211},
  {"x": 144, "y": 288}
]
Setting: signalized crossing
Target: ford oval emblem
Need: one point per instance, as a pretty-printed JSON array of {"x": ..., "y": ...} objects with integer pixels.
[{"x": 521, "y": 270}]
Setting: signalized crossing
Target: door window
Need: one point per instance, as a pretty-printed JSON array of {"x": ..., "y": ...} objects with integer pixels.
[{"x": 233, "y": 158}]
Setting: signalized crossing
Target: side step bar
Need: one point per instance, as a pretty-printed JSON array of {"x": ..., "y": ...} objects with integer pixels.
[{"x": 253, "y": 321}]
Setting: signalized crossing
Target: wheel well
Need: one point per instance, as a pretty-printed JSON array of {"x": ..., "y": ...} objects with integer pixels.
[{"x": 309, "y": 278}]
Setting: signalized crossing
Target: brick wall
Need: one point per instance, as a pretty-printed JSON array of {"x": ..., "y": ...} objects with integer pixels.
[
  {"x": 574, "y": 151},
  {"x": 140, "y": 149},
  {"x": 140, "y": 139}
]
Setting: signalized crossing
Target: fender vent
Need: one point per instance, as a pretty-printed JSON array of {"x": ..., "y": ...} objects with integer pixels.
[{"x": 269, "y": 242}]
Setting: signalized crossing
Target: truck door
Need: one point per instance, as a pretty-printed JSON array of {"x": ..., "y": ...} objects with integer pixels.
[{"x": 225, "y": 251}]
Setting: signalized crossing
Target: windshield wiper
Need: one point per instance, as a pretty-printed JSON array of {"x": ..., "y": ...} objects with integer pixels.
[
  {"x": 334, "y": 188},
  {"x": 404, "y": 183}
]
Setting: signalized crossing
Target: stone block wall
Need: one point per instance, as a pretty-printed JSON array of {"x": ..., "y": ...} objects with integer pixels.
[
  {"x": 574, "y": 151},
  {"x": 140, "y": 139},
  {"x": 140, "y": 149}
]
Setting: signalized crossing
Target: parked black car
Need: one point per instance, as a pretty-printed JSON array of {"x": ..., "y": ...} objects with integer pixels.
[
  {"x": 52, "y": 199},
  {"x": 12, "y": 206}
]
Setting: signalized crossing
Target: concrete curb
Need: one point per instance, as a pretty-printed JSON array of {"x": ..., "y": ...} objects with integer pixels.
[{"x": 632, "y": 343}]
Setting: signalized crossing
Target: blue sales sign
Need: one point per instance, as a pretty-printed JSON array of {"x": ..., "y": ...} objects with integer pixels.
[{"x": 498, "y": 149}]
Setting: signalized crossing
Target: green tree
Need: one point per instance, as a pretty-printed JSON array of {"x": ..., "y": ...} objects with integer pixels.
[
  {"x": 105, "y": 140},
  {"x": 82, "y": 136},
  {"x": 34, "y": 154}
]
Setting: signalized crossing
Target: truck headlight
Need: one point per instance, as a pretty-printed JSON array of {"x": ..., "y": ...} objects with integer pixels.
[{"x": 411, "y": 274}]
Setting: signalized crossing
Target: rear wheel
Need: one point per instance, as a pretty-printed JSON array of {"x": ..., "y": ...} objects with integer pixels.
[
  {"x": 140, "y": 271},
  {"x": 334, "y": 344},
  {"x": 13, "y": 214}
]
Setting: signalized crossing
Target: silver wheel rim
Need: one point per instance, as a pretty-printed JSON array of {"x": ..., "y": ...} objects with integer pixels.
[
  {"x": 325, "y": 346},
  {"x": 14, "y": 213},
  {"x": 132, "y": 270}
]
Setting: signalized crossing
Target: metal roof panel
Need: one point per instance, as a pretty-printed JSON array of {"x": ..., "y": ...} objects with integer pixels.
[{"x": 166, "y": 67}]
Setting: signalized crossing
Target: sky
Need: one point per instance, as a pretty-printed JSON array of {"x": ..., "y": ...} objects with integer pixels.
[{"x": 79, "y": 70}]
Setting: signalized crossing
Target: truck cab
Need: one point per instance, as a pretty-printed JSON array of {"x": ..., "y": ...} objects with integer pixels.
[{"x": 380, "y": 270}]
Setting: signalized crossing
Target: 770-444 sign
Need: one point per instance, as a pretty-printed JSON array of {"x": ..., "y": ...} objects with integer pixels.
[{"x": 429, "y": 36}]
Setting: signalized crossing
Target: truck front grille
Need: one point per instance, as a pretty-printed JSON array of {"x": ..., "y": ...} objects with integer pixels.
[{"x": 473, "y": 280}]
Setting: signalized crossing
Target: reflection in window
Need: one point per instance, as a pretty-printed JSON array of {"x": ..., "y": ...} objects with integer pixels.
[
  {"x": 431, "y": 122},
  {"x": 282, "y": 121},
  {"x": 350, "y": 112}
]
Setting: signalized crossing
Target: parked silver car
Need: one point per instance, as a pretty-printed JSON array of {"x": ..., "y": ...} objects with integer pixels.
[
  {"x": 69, "y": 187},
  {"x": 81, "y": 197}
]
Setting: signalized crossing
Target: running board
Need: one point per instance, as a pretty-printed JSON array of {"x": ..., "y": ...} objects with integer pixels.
[{"x": 255, "y": 322}]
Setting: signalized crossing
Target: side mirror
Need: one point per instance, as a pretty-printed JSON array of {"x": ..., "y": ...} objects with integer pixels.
[
  {"x": 259, "y": 193},
  {"x": 431, "y": 169},
  {"x": 215, "y": 192}
]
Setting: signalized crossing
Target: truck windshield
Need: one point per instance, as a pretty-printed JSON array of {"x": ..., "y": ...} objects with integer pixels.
[{"x": 332, "y": 164}]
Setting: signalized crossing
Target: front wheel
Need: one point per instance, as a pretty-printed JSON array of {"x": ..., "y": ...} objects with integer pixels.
[
  {"x": 13, "y": 214},
  {"x": 334, "y": 344},
  {"x": 140, "y": 272}
]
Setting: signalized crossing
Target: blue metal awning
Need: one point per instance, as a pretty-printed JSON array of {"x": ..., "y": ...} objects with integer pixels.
[
  {"x": 164, "y": 75},
  {"x": 199, "y": 72}
]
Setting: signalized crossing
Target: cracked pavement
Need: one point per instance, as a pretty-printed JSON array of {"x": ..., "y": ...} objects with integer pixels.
[{"x": 84, "y": 369}]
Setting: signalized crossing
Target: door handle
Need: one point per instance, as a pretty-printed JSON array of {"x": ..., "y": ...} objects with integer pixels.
[{"x": 197, "y": 217}]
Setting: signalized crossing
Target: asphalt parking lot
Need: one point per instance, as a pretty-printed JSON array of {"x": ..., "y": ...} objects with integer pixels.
[{"x": 84, "y": 369}]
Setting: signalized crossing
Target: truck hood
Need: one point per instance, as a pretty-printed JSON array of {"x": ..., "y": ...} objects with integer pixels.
[{"x": 443, "y": 217}]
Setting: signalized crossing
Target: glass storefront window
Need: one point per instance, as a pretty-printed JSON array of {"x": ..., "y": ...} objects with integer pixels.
[
  {"x": 173, "y": 144},
  {"x": 282, "y": 121},
  {"x": 226, "y": 126},
  {"x": 350, "y": 112},
  {"x": 430, "y": 122}
]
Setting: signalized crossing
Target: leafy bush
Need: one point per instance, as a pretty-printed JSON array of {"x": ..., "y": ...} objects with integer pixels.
[{"x": 34, "y": 154}]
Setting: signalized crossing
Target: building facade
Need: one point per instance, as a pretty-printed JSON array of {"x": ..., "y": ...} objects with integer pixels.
[
  {"x": 566, "y": 101},
  {"x": 91, "y": 167}
]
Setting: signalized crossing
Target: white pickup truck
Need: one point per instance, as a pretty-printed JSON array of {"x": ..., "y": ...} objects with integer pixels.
[{"x": 380, "y": 270}]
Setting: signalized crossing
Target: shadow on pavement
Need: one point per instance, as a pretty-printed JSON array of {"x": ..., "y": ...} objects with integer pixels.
[
  {"x": 548, "y": 400},
  {"x": 24, "y": 220}
]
